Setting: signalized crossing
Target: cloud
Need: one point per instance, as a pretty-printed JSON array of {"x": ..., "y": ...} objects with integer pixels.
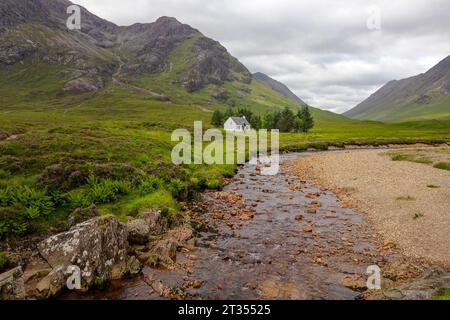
[{"x": 321, "y": 49}]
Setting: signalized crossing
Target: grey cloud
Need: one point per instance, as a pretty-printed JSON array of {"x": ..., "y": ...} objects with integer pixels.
[{"x": 321, "y": 49}]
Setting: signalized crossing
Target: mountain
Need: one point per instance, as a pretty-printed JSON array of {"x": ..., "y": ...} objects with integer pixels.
[
  {"x": 422, "y": 97},
  {"x": 104, "y": 68},
  {"x": 278, "y": 87}
]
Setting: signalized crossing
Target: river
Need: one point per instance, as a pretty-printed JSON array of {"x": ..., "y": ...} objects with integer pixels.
[{"x": 299, "y": 245}]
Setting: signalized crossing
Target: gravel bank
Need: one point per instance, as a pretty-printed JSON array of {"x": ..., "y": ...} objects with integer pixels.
[{"x": 394, "y": 196}]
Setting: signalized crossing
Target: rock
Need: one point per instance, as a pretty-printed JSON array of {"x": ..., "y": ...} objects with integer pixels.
[
  {"x": 148, "y": 224},
  {"x": 131, "y": 268},
  {"x": 275, "y": 290},
  {"x": 307, "y": 228},
  {"x": 180, "y": 235},
  {"x": 155, "y": 221},
  {"x": 95, "y": 246},
  {"x": 424, "y": 288},
  {"x": 196, "y": 284},
  {"x": 82, "y": 85},
  {"x": 311, "y": 210},
  {"x": 11, "y": 285},
  {"x": 354, "y": 282},
  {"x": 388, "y": 244},
  {"x": 162, "y": 254},
  {"x": 316, "y": 203},
  {"x": 138, "y": 231},
  {"x": 299, "y": 217}
]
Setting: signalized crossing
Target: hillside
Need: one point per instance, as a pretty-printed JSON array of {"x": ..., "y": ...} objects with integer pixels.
[
  {"x": 278, "y": 87},
  {"x": 87, "y": 116},
  {"x": 141, "y": 69},
  {"x": 422, "y": 97}
]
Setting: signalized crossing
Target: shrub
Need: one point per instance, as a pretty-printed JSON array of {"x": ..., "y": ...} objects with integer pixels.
[
  {"x": 4, "y": 174},
  {"x": 12, "y": 222},
  {"x": 442, "y": 294},
  {"x": 78, "y": 199},
  {"x": 149, "y": 184},
  {"x": 400, "y": 157},
  {"x": 215, "y": 183},
  {"x": 442, "y": 165},
  {"x": 107, "y": 190},
  {"x": 177, "y": 187},
  {"x": 36, "y": 202},
  {"x": 3, "y": 261}
]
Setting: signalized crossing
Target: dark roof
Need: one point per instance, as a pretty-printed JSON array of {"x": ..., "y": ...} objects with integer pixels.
[{"x": 240, "y": 121}]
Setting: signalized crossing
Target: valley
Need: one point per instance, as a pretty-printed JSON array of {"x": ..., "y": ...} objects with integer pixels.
[{"x": 86, "y": 119}]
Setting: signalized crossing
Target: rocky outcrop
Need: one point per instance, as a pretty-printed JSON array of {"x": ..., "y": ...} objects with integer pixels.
[
  {"x": 424, "y": 288},
  {"x": 12, "y": 285},
  {"x": 87, "y": 56},
  {"x": 97, "y": 247},
  {"x": 163, "y": 252},
  {"x": 214, "y": 66},
  {"x": 83, "y": 85},
  {"x": 150, "y": 44},
  {"x": 147, "y": 225}
]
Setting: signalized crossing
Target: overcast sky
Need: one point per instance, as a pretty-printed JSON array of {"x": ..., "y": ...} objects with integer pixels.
[{"x": 322, "y": 49}]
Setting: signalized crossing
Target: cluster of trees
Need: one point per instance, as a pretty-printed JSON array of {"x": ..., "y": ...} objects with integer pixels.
[
  {"x": 284, "y": 120},
  {"x": 288, "y": 121}
]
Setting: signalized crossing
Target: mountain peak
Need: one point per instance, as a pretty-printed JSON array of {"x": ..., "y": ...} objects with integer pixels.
[
  {"x": 166, "y": 19},
  {"x": 278, "y": 87},
  {"x": 424, "y": 96}
]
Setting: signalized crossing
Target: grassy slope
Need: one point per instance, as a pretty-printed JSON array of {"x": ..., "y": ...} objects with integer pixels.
[
  {"x": 439, "y": 108},
  {"x": 115, "y": 126}
]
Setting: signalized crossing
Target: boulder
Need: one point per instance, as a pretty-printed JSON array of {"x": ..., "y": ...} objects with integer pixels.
[
  {"x": 138, "y": 231},
  {"x": 82, "y": 85},
  {"x": 11, "y": 285},
  {"x": 148, "y": 224},
  {"x": 424, "y": 288},
  {"x": 95, "y": 247},
  {"x": 164, "y": 252}
]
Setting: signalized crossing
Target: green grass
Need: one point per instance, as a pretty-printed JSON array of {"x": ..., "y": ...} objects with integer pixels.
[
  {"x": 406, "y": 198},
  {"x": 432, "y": 186},
  {"x": 3, "y": 261},
  {"x": 439, "y": 108},
  {"x": 113, "y": 147},
  {"x": 418, "y": 216},
  {"x": 442, "y": 165},
  {"x": 443, "y": 294}
]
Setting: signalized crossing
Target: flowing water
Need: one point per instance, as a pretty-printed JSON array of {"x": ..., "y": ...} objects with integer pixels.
[{"x": 271, "y": 256}]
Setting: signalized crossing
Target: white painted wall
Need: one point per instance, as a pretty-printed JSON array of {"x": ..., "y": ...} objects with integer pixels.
[{"x": 230, "y": 125}]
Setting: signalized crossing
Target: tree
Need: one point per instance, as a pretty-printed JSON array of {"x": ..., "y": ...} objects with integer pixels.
[
  {"x": 256, "y": 122},
  {"x": 287, "y": 120},
  {"x": 307, "y": 119},
  {"x": 217, "y": 119},
  {"x": 268, "y": 121}
]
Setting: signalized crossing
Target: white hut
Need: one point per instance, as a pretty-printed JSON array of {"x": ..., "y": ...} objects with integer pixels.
[{"x": 239, "y": 124}]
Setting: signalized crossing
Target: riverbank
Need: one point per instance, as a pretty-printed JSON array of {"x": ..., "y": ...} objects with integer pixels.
[
  {"x": 407, "y": 201},
  {"x": 271, "y": 237}
]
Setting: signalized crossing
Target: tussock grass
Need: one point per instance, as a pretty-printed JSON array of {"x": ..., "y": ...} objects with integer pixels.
[
  {"x": 406, "y": 198},
  {"x": 418, "y": 216},
  {"x": 442, "y": 166},
  {"x": 442, "y": 294}
]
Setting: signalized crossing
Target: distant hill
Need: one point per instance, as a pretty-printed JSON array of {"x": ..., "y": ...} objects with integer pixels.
[
  {"x": 422, "y": 97},
  {"x": 166, "y": 65},
  {"x": 278, "y": 87}
]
